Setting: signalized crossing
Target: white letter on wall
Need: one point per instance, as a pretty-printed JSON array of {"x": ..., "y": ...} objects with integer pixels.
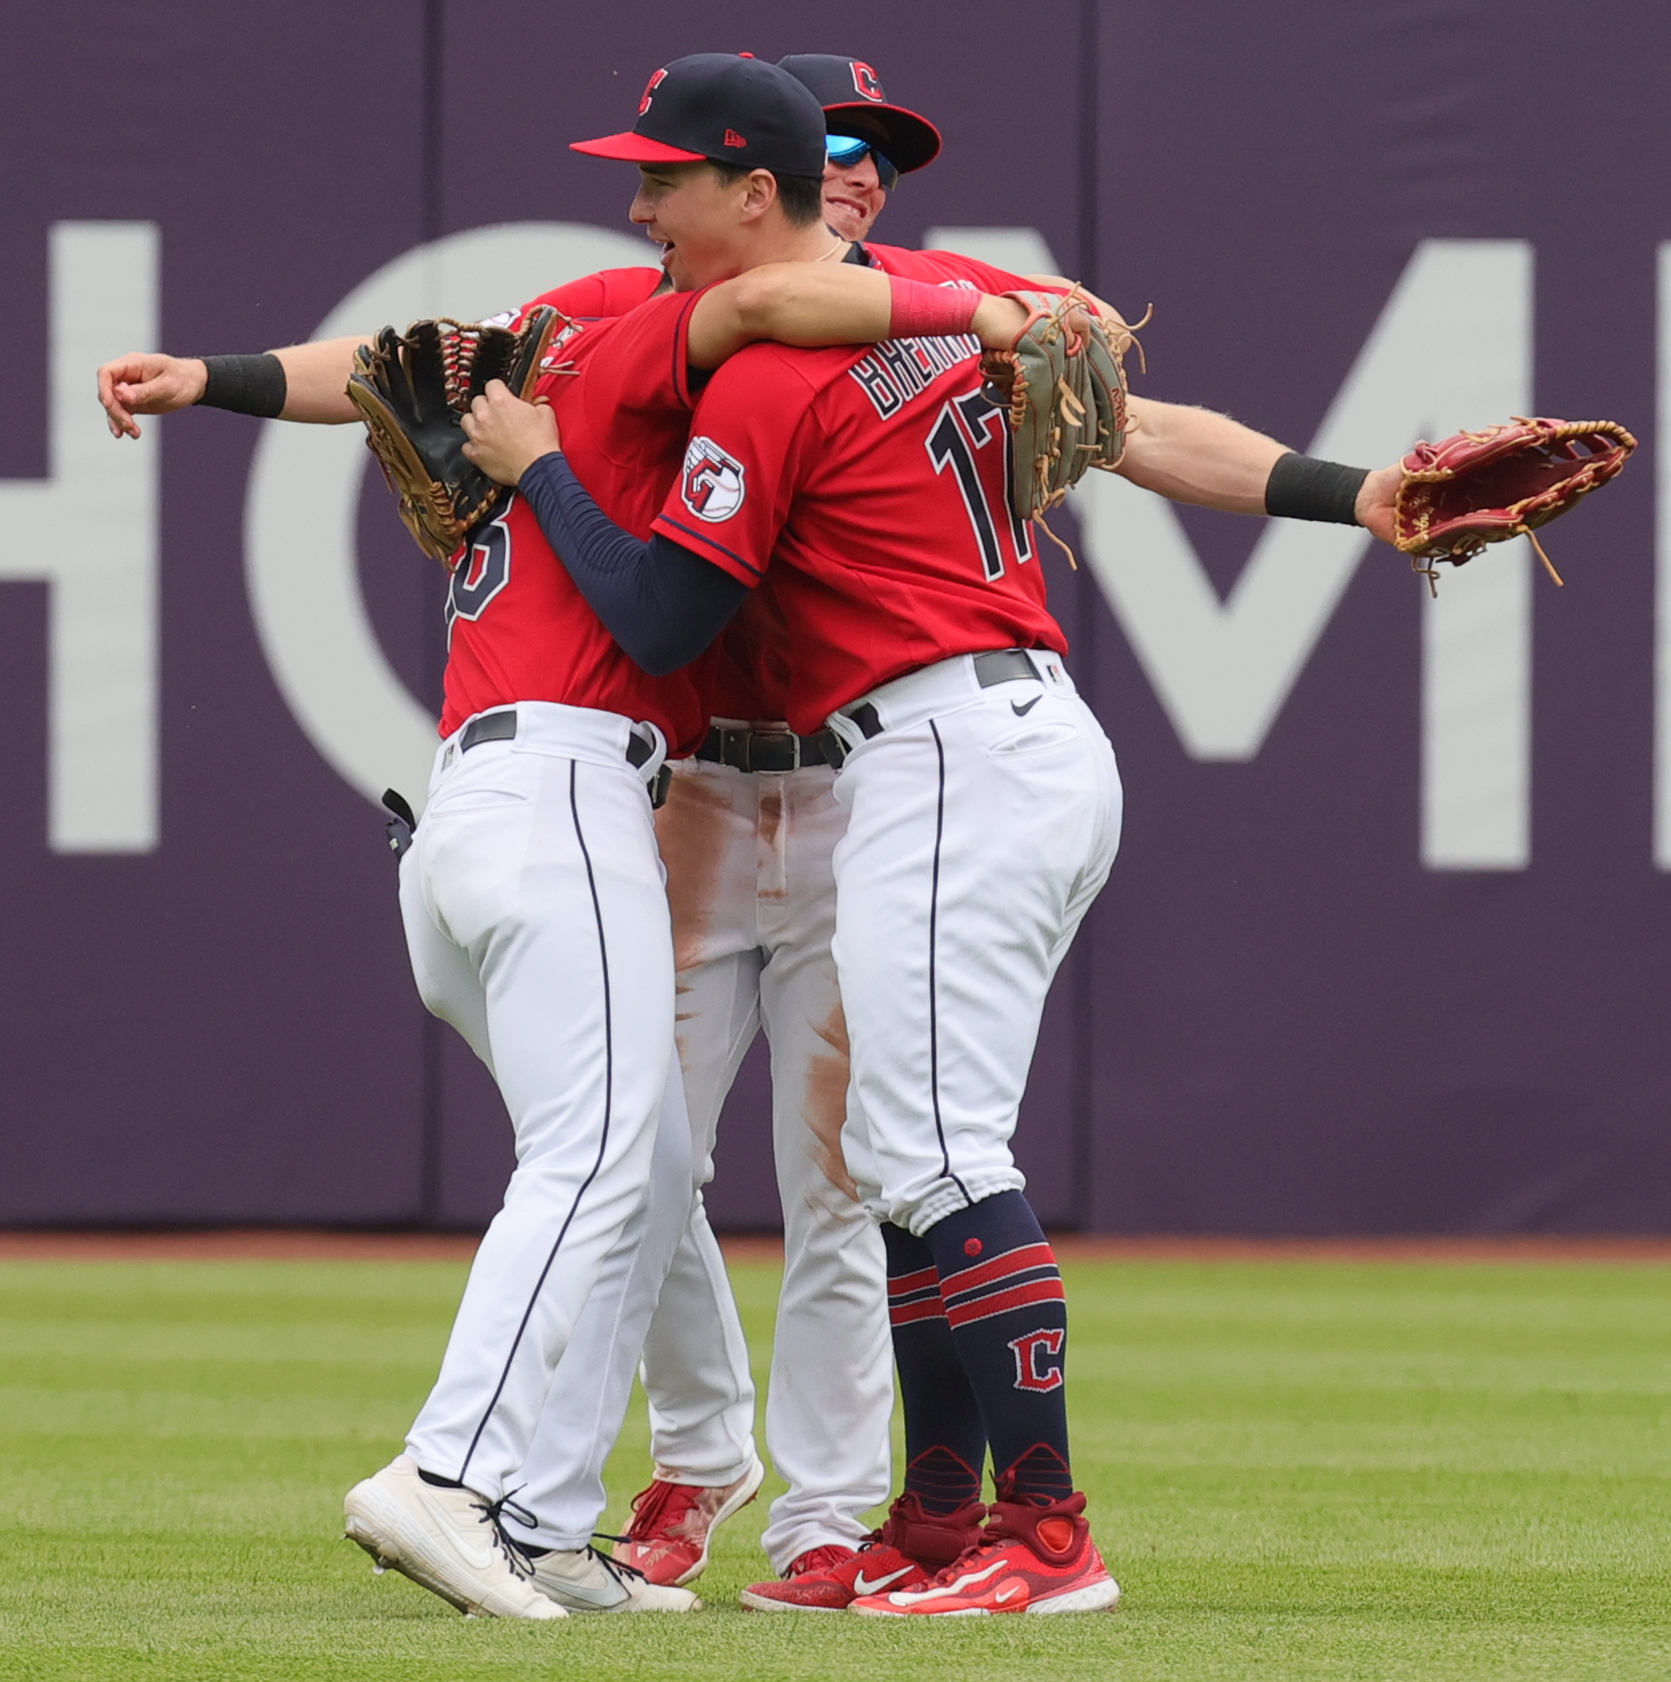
[
  {"x": 1452, "y": 348},
  {"x": 299, "y": 551},
  {"x": 1022, "y": 251},
  {"x": 89, "y": 530}
]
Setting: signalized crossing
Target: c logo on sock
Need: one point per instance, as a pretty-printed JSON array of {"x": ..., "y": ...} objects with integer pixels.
[{"x": 1038, "y": 1359}]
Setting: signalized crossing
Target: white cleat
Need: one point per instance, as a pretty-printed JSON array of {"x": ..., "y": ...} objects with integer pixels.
[
  {"x": 584, "y": 1580},
  {"x": 448, "y": 1541}
]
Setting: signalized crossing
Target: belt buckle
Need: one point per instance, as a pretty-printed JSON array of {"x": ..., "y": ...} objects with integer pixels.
[{"x": 775, "y": 736}]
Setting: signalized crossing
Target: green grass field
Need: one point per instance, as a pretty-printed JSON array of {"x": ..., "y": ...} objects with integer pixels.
[{"x": 1295, "y": 1469}]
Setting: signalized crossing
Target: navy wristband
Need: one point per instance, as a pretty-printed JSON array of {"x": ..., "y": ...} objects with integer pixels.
[{"x": 1304, "y": 488}]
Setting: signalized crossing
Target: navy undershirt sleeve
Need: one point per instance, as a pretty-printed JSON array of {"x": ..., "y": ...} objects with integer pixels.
[{"x": 661, "y": 603}]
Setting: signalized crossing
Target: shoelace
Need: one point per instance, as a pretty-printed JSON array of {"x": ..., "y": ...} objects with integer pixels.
[
  {"x": 648, "y": 1508},
  {"x": 493, "y": 1514},
  {"x": 617, "y": 1568},
  {"x": 818, "y": 1559},
  {"x": 996, "y": 1535}
]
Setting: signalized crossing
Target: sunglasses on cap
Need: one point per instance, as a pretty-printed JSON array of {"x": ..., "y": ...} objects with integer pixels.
[{"x": 848, "y": 149}]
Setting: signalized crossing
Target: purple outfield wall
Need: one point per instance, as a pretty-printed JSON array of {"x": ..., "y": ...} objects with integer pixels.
[{"x": 1387, "y": 948}]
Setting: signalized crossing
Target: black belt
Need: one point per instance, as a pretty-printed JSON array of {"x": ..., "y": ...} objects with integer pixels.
[
  {"x": 996, "y": 665},
  {"x": 501, "y": 727},
  {"x": 769, "y": 750}
]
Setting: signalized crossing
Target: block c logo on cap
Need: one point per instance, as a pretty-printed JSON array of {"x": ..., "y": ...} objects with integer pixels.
[
  {"x": 868, "y": 83},
  {"x": 712, "y": 485},
  {"x": 649, "y": 90}
]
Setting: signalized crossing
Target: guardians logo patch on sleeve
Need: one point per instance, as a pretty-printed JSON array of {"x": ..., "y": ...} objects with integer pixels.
[{"x": 712, "y": 485}]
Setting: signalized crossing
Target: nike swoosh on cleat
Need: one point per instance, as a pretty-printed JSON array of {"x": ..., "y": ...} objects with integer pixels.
[
  {"x": 584, "y": 1594},
  {"x": 480, "y": 1558},
  {"x": 1022, "y": 711},
  {"x": 963, "y": 1584},
  {"x": 1008, "y": 1592},
  {"x": 874, "y": 1585}
]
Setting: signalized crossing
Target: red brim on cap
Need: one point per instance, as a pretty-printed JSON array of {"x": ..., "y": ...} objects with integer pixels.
[
  {"x": 916, "y": 141},
  {"x": 635, "y": 149}
]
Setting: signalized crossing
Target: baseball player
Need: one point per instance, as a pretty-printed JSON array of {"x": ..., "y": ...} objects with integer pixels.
[
  {"x": 537, "y": 925},
  {"x": 485, "y": 950},
  {"x": 984, "y": 812},
  {"x": 747, "y": 834}
]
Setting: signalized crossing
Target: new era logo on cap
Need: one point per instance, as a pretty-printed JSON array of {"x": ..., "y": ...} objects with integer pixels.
[{"x": 732, "y": 138}]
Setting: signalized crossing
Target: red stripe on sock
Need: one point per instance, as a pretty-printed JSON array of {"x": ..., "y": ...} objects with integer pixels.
[
  {"x": 918, "y": 1281},
  {"x": 983, "y": 1308},
  {"x": 1012, "y": 1261},
  {"x": 904, "y": 1313}
]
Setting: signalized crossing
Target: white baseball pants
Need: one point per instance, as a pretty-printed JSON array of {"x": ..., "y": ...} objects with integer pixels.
[
  {"x": 559, "y": 1488},
  {"x": 982, "y": 824},
  {"x": 753, "y": 894},
  {"x": 537, "y": 924}
]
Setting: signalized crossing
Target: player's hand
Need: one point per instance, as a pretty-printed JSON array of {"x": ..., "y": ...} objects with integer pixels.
[
  {"x": 506, "y": 436},
  {"x": 1374, "y": 507},
  {"x": 1114, "y": 325},
  {"x": 143, "y": 383},
  {"x": 998, "y": 322}
]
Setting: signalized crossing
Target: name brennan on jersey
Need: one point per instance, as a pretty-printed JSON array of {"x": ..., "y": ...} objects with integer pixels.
[{"x": 899, "y": 369}]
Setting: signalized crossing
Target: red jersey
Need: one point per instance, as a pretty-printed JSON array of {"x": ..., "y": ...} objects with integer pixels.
[
  {"x": 594, "y": 297},
  {"x": 518, "y": 628},
  {"x": 871, "y": 488}
]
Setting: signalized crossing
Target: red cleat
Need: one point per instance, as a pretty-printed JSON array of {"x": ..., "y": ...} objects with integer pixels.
[
  {"x": 1030, "y": 1559},
  {"x": 673, "y": 1523},
  {"x": 830, "y": 1579}
]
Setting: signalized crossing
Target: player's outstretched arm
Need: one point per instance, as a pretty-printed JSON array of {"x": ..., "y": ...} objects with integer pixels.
[
  {"x": 316, "y": 380},
  {"x": 812, "y": 304},
  {"x": 1194, "y": 455},
  {"x": 314, "y": 377}
]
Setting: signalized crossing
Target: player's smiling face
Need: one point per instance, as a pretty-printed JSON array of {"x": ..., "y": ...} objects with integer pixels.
[
  {"x": 853, "y": 196},
  {"x": 698, "y": 218}
]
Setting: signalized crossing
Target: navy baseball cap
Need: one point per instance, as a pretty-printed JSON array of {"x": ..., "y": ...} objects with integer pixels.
[
  {"x": 728, "y": 108},
  {"x": 851, "y": 93}
]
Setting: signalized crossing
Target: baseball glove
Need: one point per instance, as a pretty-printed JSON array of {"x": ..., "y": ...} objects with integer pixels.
[
  {"x": 412, "y": 387},
  {"x": 1064, "y": 384},
  {"x": 1485, "y": 487}
]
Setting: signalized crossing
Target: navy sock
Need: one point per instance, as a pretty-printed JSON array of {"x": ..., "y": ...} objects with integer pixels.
[
  {"x": 945, "y": 1437},
  {"x": 439, "y": 1481},
  {"x": 1004, "y": 1305}
]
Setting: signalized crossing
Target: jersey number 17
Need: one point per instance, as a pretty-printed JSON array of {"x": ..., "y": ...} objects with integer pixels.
[{"x": 963, "y": 432}]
